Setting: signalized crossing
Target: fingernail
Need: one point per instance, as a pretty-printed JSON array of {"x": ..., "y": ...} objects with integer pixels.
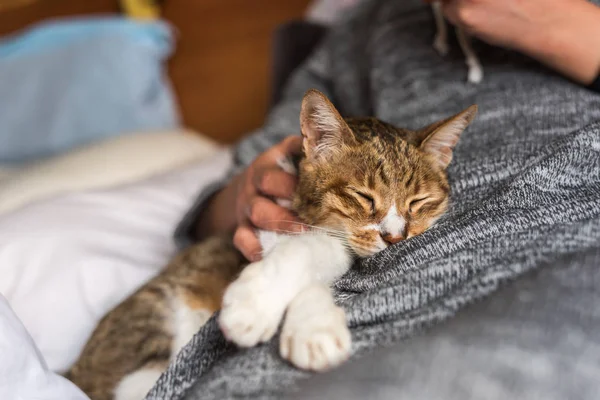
[
  {"x": 285, "y": 203},
  {"x": 298, "y": 228}
]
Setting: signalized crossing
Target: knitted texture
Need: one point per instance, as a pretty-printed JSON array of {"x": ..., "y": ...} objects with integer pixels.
[{"x": 525, "y": 183}]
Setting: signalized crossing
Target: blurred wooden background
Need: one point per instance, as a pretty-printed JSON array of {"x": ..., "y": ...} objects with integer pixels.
[{"x": 221, "y": 66}]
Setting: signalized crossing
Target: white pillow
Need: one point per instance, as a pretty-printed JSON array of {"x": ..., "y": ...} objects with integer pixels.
[
  {"x": 23, "y": 373},
  {"x": 111, "y": 162},
  {"x": 5, "y": 172},
  {"x": 66, "y": 261}
]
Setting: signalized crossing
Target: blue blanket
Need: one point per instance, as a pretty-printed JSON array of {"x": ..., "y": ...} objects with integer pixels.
[{"x": 68, "y": 83}]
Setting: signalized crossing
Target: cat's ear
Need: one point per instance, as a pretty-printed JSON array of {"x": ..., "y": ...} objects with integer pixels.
[
  {"x": 440, "y": 138},
  {"x": 324, "y": 131}
]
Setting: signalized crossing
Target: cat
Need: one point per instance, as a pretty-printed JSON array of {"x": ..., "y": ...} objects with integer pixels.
[
  {"x": 363, "y": 185},
  {"x": 134, "y": 343},
  {"x": 440, "y": 44}
]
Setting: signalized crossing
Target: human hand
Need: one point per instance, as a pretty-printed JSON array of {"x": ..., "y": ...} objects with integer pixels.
[
  {"x": 248, "y": 201},
  {"x": 257, "y": 188},
  {"x": 564, "y": 34},
  {"x": 503, "y": 23}
]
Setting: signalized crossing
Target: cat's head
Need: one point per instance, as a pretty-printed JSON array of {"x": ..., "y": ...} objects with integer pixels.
[{"x": 370, "y": 182}]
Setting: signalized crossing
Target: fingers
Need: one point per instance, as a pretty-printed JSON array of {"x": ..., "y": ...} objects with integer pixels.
[
  {"x": 265, "y": 177},
  {"x": 246, "y": 241},
  {"x": 265, "y": 214},
  {"x": 268, "y": 178},
  {"x": 288, "y": 146},
  {"x": 291, "y": 145},
  {"x": 275, "y": 183},
  {"x": 262, "y": 214}
]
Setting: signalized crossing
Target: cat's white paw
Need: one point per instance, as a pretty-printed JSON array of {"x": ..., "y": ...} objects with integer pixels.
[
  {"x": 250, "y": 313},
  {"x": 315, "y": 336},
  {"x": 440, "y": 44}
]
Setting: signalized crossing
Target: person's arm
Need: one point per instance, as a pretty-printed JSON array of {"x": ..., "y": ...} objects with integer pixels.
[
  {"x": 572, "y": 45},
  {"x": 215, "y": 216},
  {"x": 563, "y": 34},
  {"x": 188, "y": 230}
]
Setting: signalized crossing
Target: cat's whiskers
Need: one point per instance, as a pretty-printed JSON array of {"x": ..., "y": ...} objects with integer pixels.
[
  {"x": 342, "y": 237},
  {"x": 344, "y": 242},
  {"x": 330, "y": 231},
  {"x": 335, "y": 233}
]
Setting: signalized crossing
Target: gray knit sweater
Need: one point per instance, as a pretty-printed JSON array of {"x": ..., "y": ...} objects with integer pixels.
[{"x": 525, "y": 184}]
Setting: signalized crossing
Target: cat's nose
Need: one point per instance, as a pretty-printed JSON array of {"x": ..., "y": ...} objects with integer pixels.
[{"x": 391, "y": 239}]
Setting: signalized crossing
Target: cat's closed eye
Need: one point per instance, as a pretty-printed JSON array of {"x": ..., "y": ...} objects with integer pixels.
[
  {"x": 416, "y": 203},
  {"x": 366, "y": 200}
]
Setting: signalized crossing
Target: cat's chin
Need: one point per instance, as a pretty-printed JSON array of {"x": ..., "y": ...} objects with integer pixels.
[
  {"x": 366, "y": 249},
  {"x": 361, "y": 252}
]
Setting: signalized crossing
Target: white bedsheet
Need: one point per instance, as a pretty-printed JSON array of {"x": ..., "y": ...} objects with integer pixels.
[
  {"x": 66, "y": 261},
  {"x": 23, "y": 372}
]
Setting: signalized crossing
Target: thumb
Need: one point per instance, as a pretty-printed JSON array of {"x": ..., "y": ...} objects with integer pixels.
[
  {"x": 291, "y": 145},
  {"x": 246, "y": 241}
]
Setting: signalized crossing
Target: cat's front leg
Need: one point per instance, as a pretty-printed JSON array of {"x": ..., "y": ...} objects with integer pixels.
[
  {"x": 315, "y": 335},
  {"x": 254, "y": 304}
]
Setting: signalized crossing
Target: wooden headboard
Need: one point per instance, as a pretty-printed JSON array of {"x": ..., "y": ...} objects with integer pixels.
[{"x": 221, "y": 67}]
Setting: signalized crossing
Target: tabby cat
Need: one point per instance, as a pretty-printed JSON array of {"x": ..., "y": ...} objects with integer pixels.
[{"x": 363, "y": 186}]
